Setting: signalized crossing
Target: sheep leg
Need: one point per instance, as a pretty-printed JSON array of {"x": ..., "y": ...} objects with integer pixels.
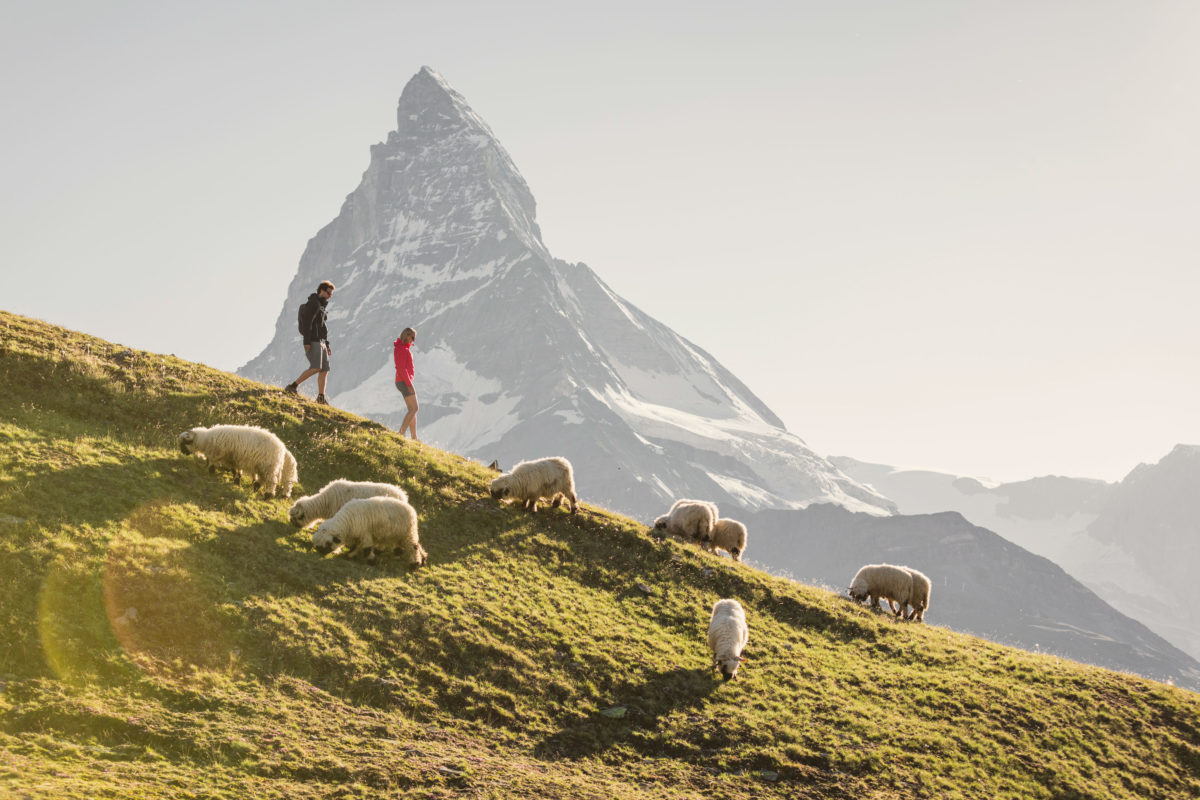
[
  {"x": 532, "y": 505},
  {"x": 574, "y": 502}
]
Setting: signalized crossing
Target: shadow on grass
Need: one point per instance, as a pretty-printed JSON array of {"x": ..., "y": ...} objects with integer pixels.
[{"x": 631, "y": 717}]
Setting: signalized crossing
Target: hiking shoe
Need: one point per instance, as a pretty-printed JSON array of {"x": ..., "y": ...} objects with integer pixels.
[
  {"x": 292, "y": 388},
  {"x": 321, "y": 399}
]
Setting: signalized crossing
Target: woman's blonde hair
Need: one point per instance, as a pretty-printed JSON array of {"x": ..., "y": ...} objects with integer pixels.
[{"x": 408, "y": 332}]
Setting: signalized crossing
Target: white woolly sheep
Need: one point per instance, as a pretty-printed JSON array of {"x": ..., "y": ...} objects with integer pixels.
[
  {"x": 374, "y": 525},
  {"x": 693, "y": 520},
  {"x": 922, "y": 587},
  {"x": 728, "y": 535},
  {"x": 244, "y": 448},
  {"x": 886, "y": 581},
  {"x": 533, "y": 481},
  {"x": 335, "y": 494},
  {"x": 727, "y": 636}
]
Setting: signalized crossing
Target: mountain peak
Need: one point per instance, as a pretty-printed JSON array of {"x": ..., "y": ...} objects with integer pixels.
[
  {"x": 428, "y": 98},
  {"x": 524, "y": 354}
]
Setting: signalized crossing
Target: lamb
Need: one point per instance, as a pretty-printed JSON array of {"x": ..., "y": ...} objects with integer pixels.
[
  {"x": 728, "y": 535},
  {"x": 875, "y": 581},
  {"x": 922, "y": 587},
  {"x": 727, "y": 636},
  {"x": 690, "y": 519},
  {"x": 533, "y": 481},
  {"x": 244, "y": 448},
  {"x": 325, "y": 503},
  {"x": 374, "y": 525}
]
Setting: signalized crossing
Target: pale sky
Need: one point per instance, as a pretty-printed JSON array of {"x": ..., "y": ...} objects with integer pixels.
[{"x": 959, "y": 236}]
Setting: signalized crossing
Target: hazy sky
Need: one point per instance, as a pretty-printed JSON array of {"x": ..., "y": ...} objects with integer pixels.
[{"x": 953, "y": 235}]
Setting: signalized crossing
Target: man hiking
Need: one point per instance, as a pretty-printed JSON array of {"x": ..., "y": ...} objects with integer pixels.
[{"x": 311, "y": 320}]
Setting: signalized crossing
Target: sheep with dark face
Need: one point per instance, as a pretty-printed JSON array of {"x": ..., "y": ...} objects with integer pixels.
[
  {"x": 335, "y": 494},
  {"x": 244, "y": 449},
  {"x": 874, "y": 582},
  {"x": 530, "y": 482},
  {"x": 728, "y": 535},
  {"x": 692, "y": 520},
  {"x": 372, "y": 525},
  {"x": 728, "y": 634}
]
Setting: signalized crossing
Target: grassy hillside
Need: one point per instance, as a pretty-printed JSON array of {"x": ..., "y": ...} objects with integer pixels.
[{"x": 164, "y": 633}]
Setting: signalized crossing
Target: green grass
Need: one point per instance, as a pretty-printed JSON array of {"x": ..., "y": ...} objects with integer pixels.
[{"x": 164, "y": 633}]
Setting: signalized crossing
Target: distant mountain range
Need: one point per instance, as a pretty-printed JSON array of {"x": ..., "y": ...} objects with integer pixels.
[
  {"x": 521, "y": 355},
  {"x": 1135, "y": 543},
  {"x": 982, "y": 584}
]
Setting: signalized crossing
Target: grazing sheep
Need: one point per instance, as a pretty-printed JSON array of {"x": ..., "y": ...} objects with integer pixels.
[
  {"x": 325, "y": 503},
  {"x": 244, "y": 448},
  {"x": 374, "y": 525},
  {"x": 727, "y": 635},
  {"x": 922, "y": 587},
  {"x": 728, "y": 535},
  {"x": 532, "y": 481},
  {"x": 875, "y": 581},
  {"x": 693, "y": 520}
]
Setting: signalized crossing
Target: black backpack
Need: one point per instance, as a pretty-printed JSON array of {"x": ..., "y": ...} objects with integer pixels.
[{"x": 304, "y": 319}]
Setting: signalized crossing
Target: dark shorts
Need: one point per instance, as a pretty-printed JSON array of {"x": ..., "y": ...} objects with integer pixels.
[
  {"x": 318, "y": 356},
  {"x": 406, "y": 388}
]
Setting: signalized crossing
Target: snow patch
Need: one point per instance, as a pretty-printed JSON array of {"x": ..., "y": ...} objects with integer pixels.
[
  {"x": 450, "y": 383},
  {"x": 748, "y": 494},
  {"x": 376, "y": 395}
]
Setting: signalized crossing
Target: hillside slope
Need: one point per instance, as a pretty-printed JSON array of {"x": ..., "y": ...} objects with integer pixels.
[{"x": 164, "y": 633}]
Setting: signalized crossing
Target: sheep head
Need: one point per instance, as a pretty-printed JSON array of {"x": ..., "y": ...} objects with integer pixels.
[
  {"x": 499, "y": 488},
  {"x": 187, "y": 442},
  {"x": 728, "y": 667},
  {"x": 298, "y": 515},
  {"x": 324, "y": 541}
]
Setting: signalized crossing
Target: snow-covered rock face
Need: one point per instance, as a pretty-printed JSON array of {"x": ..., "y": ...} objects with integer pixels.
[{"x": 520, "y": 355}]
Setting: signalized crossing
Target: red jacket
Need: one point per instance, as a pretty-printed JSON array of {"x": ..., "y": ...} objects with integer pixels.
[{"x": 402, "y": 354}]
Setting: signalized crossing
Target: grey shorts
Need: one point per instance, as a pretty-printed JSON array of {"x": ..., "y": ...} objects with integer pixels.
[
  {"x": 318, "y": 356},
  {"x": 406, "y": 388}
]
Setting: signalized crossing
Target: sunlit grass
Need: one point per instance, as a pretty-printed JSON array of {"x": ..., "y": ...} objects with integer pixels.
[{"x": 163, "y": 632}]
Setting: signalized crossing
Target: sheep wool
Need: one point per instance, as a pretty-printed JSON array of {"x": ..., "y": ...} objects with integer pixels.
[
  {"x": 244, "y": 449},
  {"x": 729, "y": 535},
  {"x": 530, "y": 482},
  {"x": 693, "y": 520},
  {"x": 875, "y": 581},
  {"x": 922, "y": 588},
  {"x": 335, "y": 494},
  {"x": 372, "y": 525},
  {"x": 727, "y": 636}
]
